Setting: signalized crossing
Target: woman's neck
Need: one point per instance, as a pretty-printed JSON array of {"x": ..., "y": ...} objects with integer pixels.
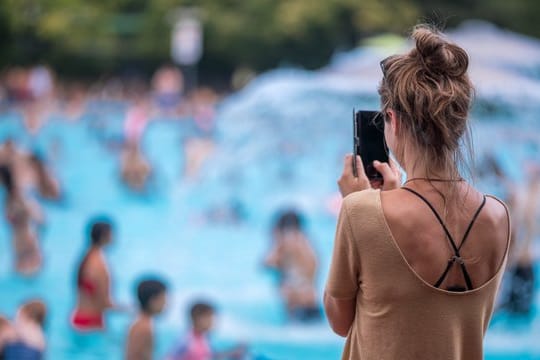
[
  {"x": 416, "y": 168},
  {"x": 434, "y": 175}
]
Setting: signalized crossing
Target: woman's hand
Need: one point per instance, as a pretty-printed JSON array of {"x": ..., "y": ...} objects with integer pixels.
[
  {"x": 348, "y": 183},
  {"x": 390, "y": 173}
]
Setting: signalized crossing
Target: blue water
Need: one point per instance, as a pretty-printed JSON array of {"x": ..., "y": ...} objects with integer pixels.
[{"x": 280, "y": 143}]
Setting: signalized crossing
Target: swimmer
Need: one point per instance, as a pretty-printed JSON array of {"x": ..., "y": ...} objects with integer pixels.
[
  {"x": 24, "y": 339},
  {"x": 152, "y": 296},
  {"x": 203, "y": 110},
  {"x": 11, "y": 155},
  {"x": 296, "y": 262},
  {"x": 200, "y": 146},
  {"x": 135, "y": 168},
  {"x": 47, "y": 186},
  {"x": 7, "y": 335},
  {"x": 93, "y": 281},
  {"x": 195, "y": 345},
  {"x": 197, "y": 151},
  {"x": 8, "y": 152},
  {"x": 168, "y": 88},
  {"x": 136, "y": 120},
  {"x": 23, "y": 216},
  {"x": 524, "y": 206}
]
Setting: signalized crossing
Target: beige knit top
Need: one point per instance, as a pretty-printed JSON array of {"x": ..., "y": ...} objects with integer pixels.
[{"x": 398, "y": 314}]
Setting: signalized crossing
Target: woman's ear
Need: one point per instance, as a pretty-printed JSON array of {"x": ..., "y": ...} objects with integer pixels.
[{"x": 393, "y": 121}]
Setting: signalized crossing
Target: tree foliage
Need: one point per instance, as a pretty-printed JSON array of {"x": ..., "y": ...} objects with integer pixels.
[{"x": 95, "y": 36}]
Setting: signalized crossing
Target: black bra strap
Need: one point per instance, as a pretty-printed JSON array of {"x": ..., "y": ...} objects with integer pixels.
[
  {"x": 472, "y": 221},
  {"x": 443, "y": 276},
  {"x": 456, "y": 249},
  {"x": 457, "y": 257}
]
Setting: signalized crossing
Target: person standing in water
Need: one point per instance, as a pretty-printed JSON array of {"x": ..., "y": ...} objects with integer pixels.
[
  {"x": 47, "y": 186},
  {"x": 293, "y": 257},
  {"x": 93, "y": 281},
  {"x": 23, "y": 216},
  {"x": 135, "y": 169},
  {"x": 416, "y": 268},
  {"x": 152, "y": 296},
  {"x": 24, "y": 339},
  {"x": 525, "y": 207}
]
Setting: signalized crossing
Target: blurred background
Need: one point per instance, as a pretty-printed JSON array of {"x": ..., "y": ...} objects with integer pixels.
[{"x": 209, "y": 134}]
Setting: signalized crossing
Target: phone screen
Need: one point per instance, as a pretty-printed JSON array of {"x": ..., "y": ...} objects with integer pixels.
[{"x": 369, "y": 141}]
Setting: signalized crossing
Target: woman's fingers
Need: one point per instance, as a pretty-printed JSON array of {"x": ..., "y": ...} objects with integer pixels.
[
  {"x": 391, "y": 179},
  {"x": 376, "y": 183},
  {"x": 347, "y": 165},
  {"x": 395, "y": 169},
  {"x": 348, "y": 183}
]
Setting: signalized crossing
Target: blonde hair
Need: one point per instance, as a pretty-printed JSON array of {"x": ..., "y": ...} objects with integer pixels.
[{"x": 431, "y": 92}]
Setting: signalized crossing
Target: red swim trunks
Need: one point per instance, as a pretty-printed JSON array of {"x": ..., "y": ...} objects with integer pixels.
[{"x": 87, "y": 322}]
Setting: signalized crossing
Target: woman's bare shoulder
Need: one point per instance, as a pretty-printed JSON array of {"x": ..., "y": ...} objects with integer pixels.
[{"x": 496, "y": 212}]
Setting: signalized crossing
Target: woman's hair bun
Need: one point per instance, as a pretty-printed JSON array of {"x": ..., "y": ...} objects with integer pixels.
[{"x": 437, "y": 54}]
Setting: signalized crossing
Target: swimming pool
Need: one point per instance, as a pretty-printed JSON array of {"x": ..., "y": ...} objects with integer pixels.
[{"x": 279, "y": 143}]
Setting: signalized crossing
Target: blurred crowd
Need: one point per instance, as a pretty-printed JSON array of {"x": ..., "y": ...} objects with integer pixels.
[{"x": 28, "y": 180}]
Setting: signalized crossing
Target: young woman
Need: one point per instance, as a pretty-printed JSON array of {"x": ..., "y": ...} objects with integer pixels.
[
  {"x": 23, "y": 216},
  {"x": 416, "y": 269},
  {"x": 93, "y": 281}
]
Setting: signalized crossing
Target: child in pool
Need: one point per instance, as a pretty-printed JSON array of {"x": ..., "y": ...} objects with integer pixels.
[
  {"x": 195, "y": 345},
  {"x": 152, "y": 296},
  {"x": 24, "y": 339}
]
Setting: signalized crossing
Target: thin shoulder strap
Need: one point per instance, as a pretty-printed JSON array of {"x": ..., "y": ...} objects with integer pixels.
[
  {"x": 456, "y": 249},
  {"x": 475, "y": 216},
  {"x": 457, "y": 256}
]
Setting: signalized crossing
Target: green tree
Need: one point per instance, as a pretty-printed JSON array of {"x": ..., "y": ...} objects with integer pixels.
[{"x": 90, "y": 37}]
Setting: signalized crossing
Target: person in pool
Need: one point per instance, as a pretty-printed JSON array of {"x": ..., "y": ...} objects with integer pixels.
[
  {"x": 24, "y": 339},
  {"x": 24, "y": 217},
  {"x": 195, "y": 345},
  {"x": 416, "y": 267},
  {"x": 294, "y": 258},
  {"x": 12, "y": 156},
  {"x": 47, "y": 186},
  {"x": 524, "y": 205},
  {"x": 135, "y": 168},
  {"x": 93, "y": 281},
  {"x": 152, "y": 296}
]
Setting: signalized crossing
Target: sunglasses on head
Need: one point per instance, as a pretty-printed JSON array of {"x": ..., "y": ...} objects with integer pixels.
[{"x": 384, "y": 64}]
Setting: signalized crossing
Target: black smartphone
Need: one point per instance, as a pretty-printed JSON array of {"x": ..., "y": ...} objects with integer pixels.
[{"x": 368, "y": 138}]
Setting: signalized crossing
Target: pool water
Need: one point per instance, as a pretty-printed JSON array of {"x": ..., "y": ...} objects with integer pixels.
[{"x": 279, "y": 143}]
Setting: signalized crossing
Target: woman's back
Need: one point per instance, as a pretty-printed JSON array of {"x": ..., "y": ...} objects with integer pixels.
[
  {"x": 422, "y": 240},
  {"x": 396, "y": 251}
]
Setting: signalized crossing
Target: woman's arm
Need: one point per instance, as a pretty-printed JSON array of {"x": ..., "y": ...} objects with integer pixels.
[
  {"x": 340, "y": 313},
  {"x": 344, "y": 277}
]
